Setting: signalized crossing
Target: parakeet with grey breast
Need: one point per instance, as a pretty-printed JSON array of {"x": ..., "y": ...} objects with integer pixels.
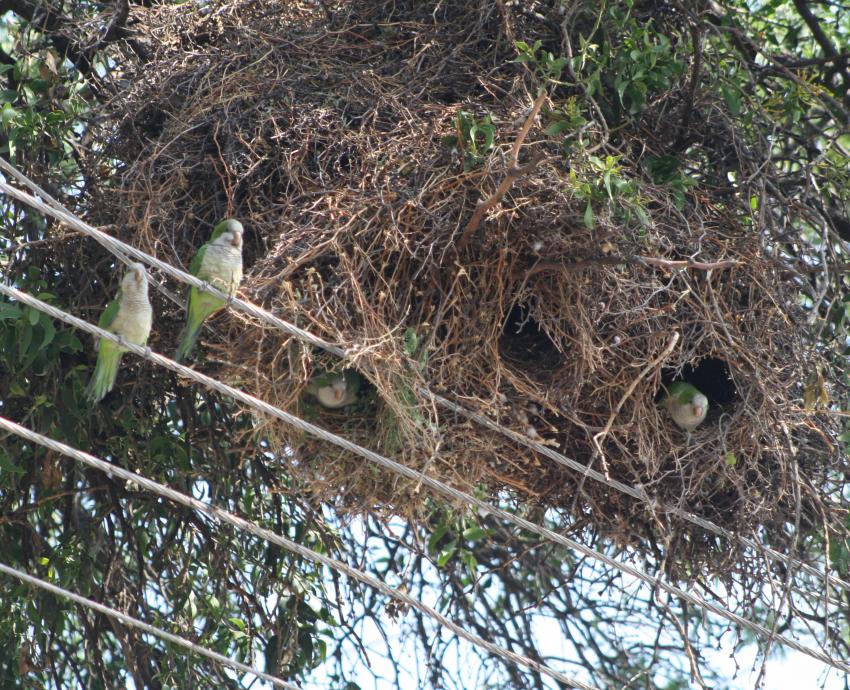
[
  {"x": 686, "y": 404},
  {"x": 219, "y": 263},
  {"x": 129, "y": 315}
]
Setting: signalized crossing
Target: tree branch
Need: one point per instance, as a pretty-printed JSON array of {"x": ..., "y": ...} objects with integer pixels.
[
  {"x": 813, "y": 23},
  {"x": 513, "y": 175},
  {"x": 646, "y": 260},
  {"x": 514, "y": 172},
  {"x": 49, "y": 20},
  {"x": 116, "y": 27}
]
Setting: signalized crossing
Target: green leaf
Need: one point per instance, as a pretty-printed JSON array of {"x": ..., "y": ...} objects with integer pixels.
[
  {"x": 24, "y": 340},
  {"x": 7, "y": 114},
  {"x": 557, "y": 128},
  {"x": 643, "y": 216},
  {"x": 446, "y": 554},
  {"x": 558, "y": 65},
  {"x": 9, "y": 311},
  {"x": 16, "y": 390},
  {"x": 6, "y": 465},
  {"x": 469, "y": 561},
  {"x": 474, "y": 533},
  {"x": 438, "y": 534},
  {"x": 606, "y": 178},
  {"x": 588, "y": 216},
  {"x": 662, "y": 168},
  {"x": 411, "y": 342},
  {"x": 49, "y": 331},
  {"x": 67, "y": 340},
  {"x": 732, "y": 98},
  {"x": 731, "y": 459}
]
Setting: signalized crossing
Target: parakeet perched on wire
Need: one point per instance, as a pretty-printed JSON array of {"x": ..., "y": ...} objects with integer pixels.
[
  {"x": 335, "y": 389},
  {"x": 686, "y": 405},
  {"x": 128, "y": 315},
  {"x": 218, "y": 262}
]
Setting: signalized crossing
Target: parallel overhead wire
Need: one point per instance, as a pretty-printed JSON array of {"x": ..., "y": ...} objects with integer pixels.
[
  {"x": 423, "y": 479},
  {"x": 252, "y": 528},
  {"x": 145, "y": 627},
  {"x": 121, "y": 249},
  {"x": 55, "y": 209}
]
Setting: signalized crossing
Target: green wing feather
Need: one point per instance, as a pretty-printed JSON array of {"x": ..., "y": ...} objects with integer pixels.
[
  {"x": 197, "y": 261},
  {"x": 109, "y": 314},
  {"x": 218, "y": 230}
]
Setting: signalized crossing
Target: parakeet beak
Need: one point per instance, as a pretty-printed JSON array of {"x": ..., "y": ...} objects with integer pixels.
[
  {"x": 236, "y": 239},
  {"x": 338, "y": 393},
  {"x": 698, "y": 410}
]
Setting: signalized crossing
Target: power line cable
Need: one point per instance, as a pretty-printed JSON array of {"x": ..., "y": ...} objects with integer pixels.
[
  {"x": 252, "y": 528},
  {"x": 120, "y": 249},
  {"x": 421, "y": 478},
  {"x": 145, "y": 627},
  {"x": 639, "y": 493}
]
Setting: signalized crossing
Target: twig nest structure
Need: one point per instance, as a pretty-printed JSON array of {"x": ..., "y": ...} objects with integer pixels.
[{"x": 342, "y": 141}]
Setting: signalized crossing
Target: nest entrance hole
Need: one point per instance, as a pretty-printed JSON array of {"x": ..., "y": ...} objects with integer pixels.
[
  {"x": 525, "y": 345},
  {"x": 711, "y": 375}
]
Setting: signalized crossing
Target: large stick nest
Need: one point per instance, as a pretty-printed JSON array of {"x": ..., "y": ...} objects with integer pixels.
[{"x": 327, "y": 138}]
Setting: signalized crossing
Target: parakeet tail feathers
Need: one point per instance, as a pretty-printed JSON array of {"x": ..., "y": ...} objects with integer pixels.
[
  {"x": 187, "y": 340},
  {"x": 103, "y": 379}
]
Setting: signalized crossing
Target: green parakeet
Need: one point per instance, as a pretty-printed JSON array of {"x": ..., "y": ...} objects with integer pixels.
[
  {"x": 218, "y": 262},
  {"x": 686, "y": 405},
  {"x": 335, "y": 389},
  {"x": 128, "y": 315}
]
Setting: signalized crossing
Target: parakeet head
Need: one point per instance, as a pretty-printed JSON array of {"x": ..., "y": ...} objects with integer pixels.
[
  {"x": 333, "y": 394},
  {"x": 687, "y": 405},
  {"x": 228, "y": 232},
  {"x": 699, "y": 406},
  {"x": 338, "y": 388},
  {"x": 335, "y": 390},
  {"x": 135, "y": 280}
]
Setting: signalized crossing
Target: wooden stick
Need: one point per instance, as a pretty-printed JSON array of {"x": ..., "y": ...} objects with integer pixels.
[
  {"x": 514, "y": 173},
  {"x": 598, "y": 438},
  {"x": 526, "y": 128},
  {"x": 648, "y": 260}
]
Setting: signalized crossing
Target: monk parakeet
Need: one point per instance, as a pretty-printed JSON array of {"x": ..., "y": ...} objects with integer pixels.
[
  {"x": 686, "y": 405},
  {"x": 128, "y": 315},
  {"x": 218, "y": 262},
  {"x": 335, "y": 389}
]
